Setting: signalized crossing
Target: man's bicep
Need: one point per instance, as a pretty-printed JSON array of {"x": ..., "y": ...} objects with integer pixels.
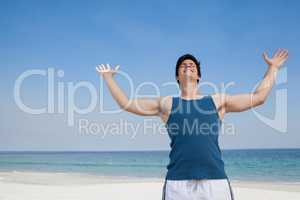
[
  {"x": 239, "y": 102},
  {"x": 144, "y": 106}
]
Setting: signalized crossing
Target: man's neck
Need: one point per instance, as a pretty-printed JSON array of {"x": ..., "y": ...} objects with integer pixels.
[{"x": 189, "y": 90}]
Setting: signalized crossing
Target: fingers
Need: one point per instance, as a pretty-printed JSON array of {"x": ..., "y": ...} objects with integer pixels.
[
  {"x": 277, "y": 53},
  {"x": 281, "y": 53},
  {"x": 284, "y": 53},
  {"x": 265, "y": 55},
  {"x": 107, "y": 67},
  {"x": 102, "y": 68},
  {"x": 98, "y": 69}
]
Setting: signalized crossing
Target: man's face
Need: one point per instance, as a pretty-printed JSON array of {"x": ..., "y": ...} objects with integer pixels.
[{"x": 187, "y": 70}]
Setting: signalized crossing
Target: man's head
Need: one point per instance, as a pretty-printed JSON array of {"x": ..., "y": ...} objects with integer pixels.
[{"x": 187, "y": 67}]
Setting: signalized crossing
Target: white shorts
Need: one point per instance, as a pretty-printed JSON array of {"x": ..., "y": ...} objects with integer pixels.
[{"x": 205, "y": 189}]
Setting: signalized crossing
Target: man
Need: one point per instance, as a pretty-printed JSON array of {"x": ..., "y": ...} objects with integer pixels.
[{"x": 196, "y": 169}]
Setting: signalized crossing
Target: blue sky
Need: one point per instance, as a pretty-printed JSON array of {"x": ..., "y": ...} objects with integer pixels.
[{"x": 145, "y": 38}]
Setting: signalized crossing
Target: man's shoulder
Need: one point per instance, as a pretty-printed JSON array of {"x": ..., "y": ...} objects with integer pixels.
[
  {"x": 219, "y": 98},
  {"x": 165, "y": 98},
  {"x": 165, "y": 102},
  {"x": 219, "y": 94}
]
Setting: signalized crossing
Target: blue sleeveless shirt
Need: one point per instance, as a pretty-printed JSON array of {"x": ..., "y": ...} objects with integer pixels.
[{"x": 193, "y": 127}]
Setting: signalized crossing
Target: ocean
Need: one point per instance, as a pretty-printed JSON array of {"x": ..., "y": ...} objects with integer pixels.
[{"x": 279, "y": 165}]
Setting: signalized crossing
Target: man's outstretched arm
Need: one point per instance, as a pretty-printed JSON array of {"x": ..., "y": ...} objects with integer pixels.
[
  {"x": 140, "y": 106},
  {"x": 242, "y": 102}
]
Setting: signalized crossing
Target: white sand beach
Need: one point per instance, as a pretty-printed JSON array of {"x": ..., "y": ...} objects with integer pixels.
[{"x": 67, "y": 186}]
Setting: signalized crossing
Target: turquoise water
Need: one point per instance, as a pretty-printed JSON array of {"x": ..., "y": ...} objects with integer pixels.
[{"x": 258, "y": 165}]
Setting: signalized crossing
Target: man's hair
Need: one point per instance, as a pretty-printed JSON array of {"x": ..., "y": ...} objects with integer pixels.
[{"x": 190, "y": 57}]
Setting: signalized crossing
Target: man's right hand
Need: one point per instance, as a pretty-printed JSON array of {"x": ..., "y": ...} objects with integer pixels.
[{"x": 106, "y": 71}]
